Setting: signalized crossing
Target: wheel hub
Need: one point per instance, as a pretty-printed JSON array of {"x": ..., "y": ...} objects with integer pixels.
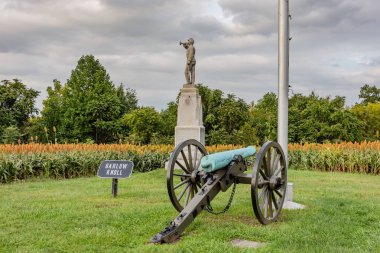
[
  {"x": 275, "y": 183},
  {"x": 193, "y": 177}
]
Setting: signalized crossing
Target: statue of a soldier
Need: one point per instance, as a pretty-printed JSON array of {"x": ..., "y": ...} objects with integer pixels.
[{"x": 190, "y": 62}]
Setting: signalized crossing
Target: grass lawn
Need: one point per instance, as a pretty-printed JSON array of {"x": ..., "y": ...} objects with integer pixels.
[{"x": 80, "y": 215}]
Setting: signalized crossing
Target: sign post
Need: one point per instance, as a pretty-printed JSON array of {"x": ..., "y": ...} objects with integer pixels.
[
  {"x": 114, "y": 186},
  {"x": 115, "y": 169}
]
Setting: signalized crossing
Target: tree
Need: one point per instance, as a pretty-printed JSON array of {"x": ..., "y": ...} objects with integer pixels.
[
  {"x": 53, "y": 106},
  {"x": 11, "y": 135},
  {"x": 369, "y": 94},
  {"x": 211, "y": 100},
  {"x": 92, "y": 107},
  {"x": 35, "y": 130},
  {"x": 128, "y": 99},
  {"x": 247, "y": 135},
  {"x": 223, "y": 116},
  {"x": 316, "y": 119},
  {"x": 143, "y": 122},
  {"x": 264, "y": 117},
  {"x": 17, "y": 103},
  {"x": 169, "y": 119},
  {"x": 369, "y": 114},
  {"x": 232, "y": 114}
]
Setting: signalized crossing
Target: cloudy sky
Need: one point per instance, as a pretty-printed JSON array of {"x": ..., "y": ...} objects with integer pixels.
[{"x": 335, "y": 46}]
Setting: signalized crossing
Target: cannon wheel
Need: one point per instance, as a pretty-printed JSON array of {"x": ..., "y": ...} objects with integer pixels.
[
  {"x": 269, "y": 180},
  {"x": 182, "y": 175}
]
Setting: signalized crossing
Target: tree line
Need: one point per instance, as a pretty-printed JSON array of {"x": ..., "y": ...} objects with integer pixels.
[{"x": 90, "y": 108}]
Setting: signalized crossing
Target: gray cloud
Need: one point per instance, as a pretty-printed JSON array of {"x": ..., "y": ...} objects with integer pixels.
[{"x": 334, "y": 49}]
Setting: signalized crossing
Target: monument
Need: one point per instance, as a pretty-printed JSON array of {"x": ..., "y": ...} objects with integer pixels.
[{"x": 189, "y": 116}]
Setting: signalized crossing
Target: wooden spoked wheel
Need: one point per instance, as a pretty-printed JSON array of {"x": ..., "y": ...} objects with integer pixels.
[
  {"x": 269, "y": 180},
  {"x": 183, "y": 176}
]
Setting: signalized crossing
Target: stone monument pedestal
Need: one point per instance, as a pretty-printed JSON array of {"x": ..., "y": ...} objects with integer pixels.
[
  {"x": 288, "y": 203},
  {"x": 189, "y": 116}
]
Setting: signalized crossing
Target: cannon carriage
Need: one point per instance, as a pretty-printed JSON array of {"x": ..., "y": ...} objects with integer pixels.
[{"x": 194, "y": 178}]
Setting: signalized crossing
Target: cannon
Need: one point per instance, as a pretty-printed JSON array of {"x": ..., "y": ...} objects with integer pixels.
[{"x": 194, "y": 178}]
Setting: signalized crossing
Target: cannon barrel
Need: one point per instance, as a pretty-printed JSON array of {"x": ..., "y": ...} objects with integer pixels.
[{"x": 213, "y": 162}]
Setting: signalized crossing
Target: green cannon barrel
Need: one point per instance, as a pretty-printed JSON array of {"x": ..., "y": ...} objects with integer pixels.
[{"x": 213, "y": 162}]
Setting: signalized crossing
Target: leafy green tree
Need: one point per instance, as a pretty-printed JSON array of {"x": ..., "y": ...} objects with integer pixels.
[
  {"x": 247, "y": 135},
  {"x": 53, "y": 106},
  {"x": 317, "y": 119},
  {"x": 369, "y": 114},
  {"x": 220, "y": 136},
  {"x": 264, "y": 117},
  {"x": 11, "y": 135},
  {"x": 128, "y": 99},
  {"x": 169, "y": 119},
  {"x": 35, "y": 129},
  {"x": 17, "y": 104},
  {"x": 369, "y": 94},
  {"x": 92, "y": 106},
  {"x": 144, "y": 123},
  {"x": 233, "y": 113},
  {"x": 211, "y": 100},
  {"x": 223, "y": 116}
]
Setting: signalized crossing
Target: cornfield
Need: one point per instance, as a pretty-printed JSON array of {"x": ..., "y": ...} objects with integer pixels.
[
  {"x": 55, "y": 148},
  {"x": 344, "y": 157},
  {"x": 19, "y": 162}
]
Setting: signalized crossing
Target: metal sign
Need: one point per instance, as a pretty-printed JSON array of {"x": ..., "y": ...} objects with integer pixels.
[{"x": 115, "y": 169}]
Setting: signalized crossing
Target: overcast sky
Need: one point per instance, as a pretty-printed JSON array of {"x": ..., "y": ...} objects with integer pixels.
[{"x": 335, "y": 46}]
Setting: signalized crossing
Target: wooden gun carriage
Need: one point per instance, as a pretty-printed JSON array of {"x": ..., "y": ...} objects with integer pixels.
[{"x": 194, "y": 178}]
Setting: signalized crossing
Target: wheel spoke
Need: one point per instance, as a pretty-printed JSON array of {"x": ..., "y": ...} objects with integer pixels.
[
  {"x": 183, "y": 168},
  {"x": 265, "y": 164},
  {"x": 181, "y": 183},
  {"x": 195, "y": 188},
  {"x": 275, "y": 162},
  {"x": 190, "y": 157},
  {"x": 262, "y": 173},
  {"x": 199, "y": 162},
  {"x": 274, "y": 201},
  {"x": 264, "y": 182},
  {"x": 195, "y": 158},
  {"x": 263, "y": 192},
  {"x": 265, "y": 205},
  {"x": 185, "y": 159},
  {"x": 183, "y": 192},
  {"x": 278, "y": 193},
  {"x": 266, "y": 160},
  {"x": 181, "y": 175},
  {"x": 187, "y": 197},
  {"x": 270, "y": 204},
  {"x": 271, "y": 160},
  {"x": 278, "y": 170}
]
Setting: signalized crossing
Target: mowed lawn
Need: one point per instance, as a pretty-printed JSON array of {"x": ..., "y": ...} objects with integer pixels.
[{"x": 80, "y": 215}]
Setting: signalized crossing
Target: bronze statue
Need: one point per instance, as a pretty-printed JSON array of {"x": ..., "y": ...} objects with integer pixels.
[{"x": 190, "y": 62}]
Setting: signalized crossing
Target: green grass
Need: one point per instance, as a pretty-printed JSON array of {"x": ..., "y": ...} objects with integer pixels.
[{"x": 80, "y": 215}]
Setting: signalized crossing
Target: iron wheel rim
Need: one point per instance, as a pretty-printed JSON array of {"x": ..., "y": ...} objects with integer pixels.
[
  {"x": 269, "y": 180},
  {"x": 180, "y": 182}
]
